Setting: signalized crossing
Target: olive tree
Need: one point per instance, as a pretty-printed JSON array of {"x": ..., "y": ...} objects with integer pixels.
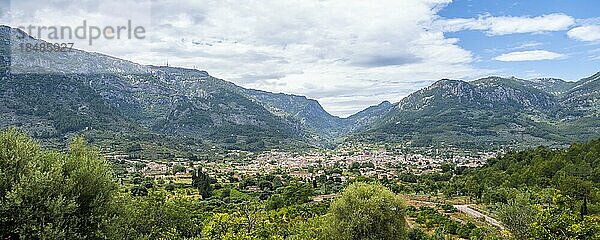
[
  {"x": 367, "y": 211},
  {"x": 51, "y": 195}
]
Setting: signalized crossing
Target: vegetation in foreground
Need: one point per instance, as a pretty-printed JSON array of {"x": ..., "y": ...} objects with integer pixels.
[{"x": 47, "y": 194}]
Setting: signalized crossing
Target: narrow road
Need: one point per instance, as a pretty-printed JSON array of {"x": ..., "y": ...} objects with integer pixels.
[{"x": 476, "y": 214}]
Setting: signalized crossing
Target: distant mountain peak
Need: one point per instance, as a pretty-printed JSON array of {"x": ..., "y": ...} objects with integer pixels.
[
  {"x": 445, "y": 83},
  {"x": 385, "y": 103}
]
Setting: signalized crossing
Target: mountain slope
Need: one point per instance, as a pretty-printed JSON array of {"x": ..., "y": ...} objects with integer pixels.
[
  {"x": 69, "y": 96},
  {"x": 123, "y": 105},
  {"x": 322, "y": 125},
  {"x": 366, "y": 117},
  {"x": 492, "y": 112},
  {"x": 584, "y": 96},
  {"x": 311, "y": 114},
  {"x": 86, "y": 92}
]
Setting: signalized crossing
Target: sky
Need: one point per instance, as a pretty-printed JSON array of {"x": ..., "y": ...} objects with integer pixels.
[{"x": 346, "y": 54}]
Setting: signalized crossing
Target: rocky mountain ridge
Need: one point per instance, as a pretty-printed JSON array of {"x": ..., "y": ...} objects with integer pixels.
[{"x": 118, "y": 102}]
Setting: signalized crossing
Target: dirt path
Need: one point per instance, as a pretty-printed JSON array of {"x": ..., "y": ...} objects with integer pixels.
[{"x": 476, "y": 214}]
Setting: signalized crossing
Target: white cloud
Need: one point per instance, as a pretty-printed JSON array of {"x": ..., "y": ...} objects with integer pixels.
[
  {"x": 333, "y": 51},
  {"x": 528, "y": 45},
  {"x": 503, "y": 25},
  {"x": 589, "y": 33},
  {"x": 528, "y": 56}
]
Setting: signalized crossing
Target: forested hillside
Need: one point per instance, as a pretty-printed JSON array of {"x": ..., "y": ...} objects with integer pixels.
[{"x": 540, "y": 193}]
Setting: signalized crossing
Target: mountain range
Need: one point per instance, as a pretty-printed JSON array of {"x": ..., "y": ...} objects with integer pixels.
[
  {"x": 122, "y": 106},
  {"x": 494, "y": 111}
]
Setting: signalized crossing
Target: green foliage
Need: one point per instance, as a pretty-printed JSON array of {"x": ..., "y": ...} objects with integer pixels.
[
  {"x": 367, "y": 211},
  {"x": 556, "y": 219},
  {"x": 139, "y": 191},
  {"x": 159, "y": 215},
  {"x": 537, "y": 194},
  {"x": 518, "y": 215},
  {"x": 416, "y": 234},
  {"x": 431, "y": 219},
  {"x": 448, "y": 167},
  {"x": 50, "y": 195},
  {"x": 202, "y": 182},
  {"x": 540, "y": 193},
  {"x": 250, "y": 220},
  {"x": 178, "y": 168},
  {"x": 447, "y": 208},
  {"x": 47, "y": 194},
  {"x": 293, "y": 193}
]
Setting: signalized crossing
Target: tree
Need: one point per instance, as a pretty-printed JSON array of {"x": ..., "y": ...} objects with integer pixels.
[
  {"x": 170, "y": 187},
  {"x": 416, "y": 234},
  {"x": 46, "y": 194},
  {"x": 297, "y": 192},
  {"x": 447, "y": 167},
  {"x": 355, "y": 166},
  {"x": 159, "y": 215},
  {"x": 293, "y": 193},
  {"x": 517, "y": 215},
  {"x": 136, "y": 147},
  {"x": 177, "y": 168},
  {"x": 557, "y": 220},
  {"x": 265, "y": 185},
  {"x": 577, "y": 189},
  {"x": 367, "y": 211},
  {"x": 139, "y": 191},
  {"x": 201, "y": 181}
]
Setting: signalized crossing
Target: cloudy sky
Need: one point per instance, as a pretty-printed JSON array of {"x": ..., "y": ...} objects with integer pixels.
[{"x": 346, "y": 54}]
